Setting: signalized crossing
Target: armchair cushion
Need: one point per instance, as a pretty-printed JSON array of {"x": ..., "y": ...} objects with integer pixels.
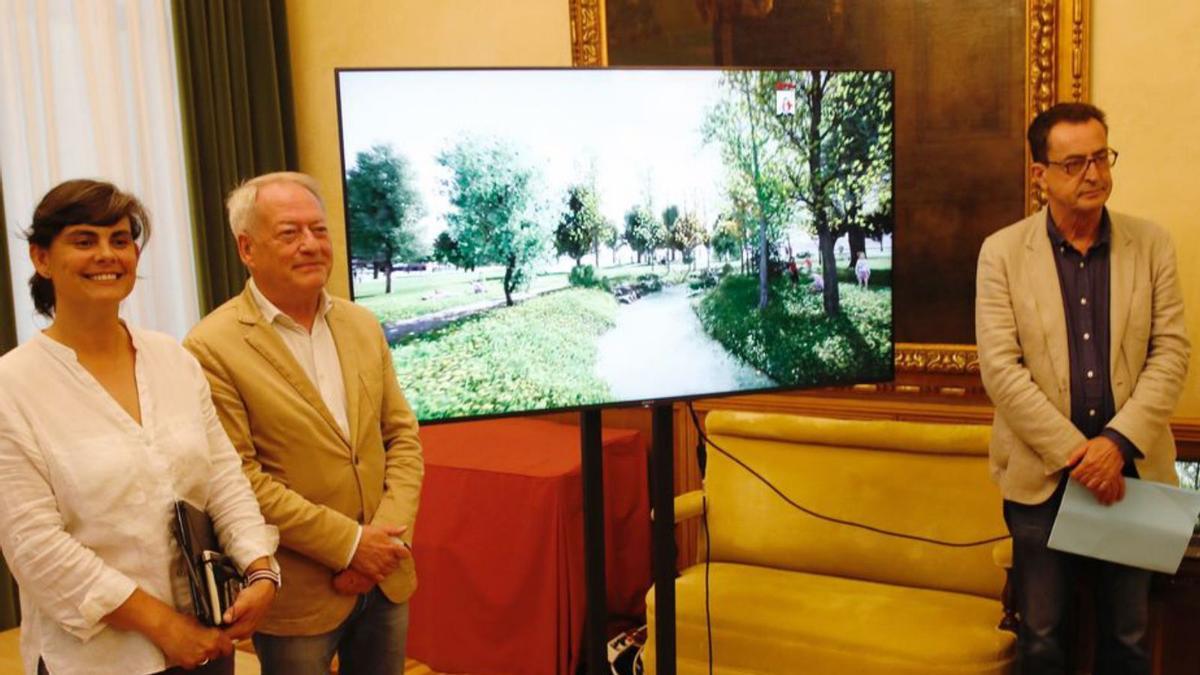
[
  {"x": 763, "y": 616},
  {"x": 794, "y": 593},
  {"x": 929, "y": 480}
]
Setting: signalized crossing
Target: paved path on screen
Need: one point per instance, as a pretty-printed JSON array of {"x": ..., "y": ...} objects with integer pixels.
[
  {"x": 659, "y": 349},
  {"x": 395, "y": 330}
]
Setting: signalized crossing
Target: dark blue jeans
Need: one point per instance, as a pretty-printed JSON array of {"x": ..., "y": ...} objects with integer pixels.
[
  {"x": 370, "y": 641},
  {"x": 1043, "y": 583}
]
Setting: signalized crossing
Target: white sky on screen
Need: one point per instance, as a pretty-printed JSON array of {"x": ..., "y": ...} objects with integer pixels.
[{"x": 639, "y": 126}]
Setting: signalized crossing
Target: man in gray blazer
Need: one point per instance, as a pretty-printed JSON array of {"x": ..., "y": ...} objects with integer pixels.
[{"x": 1083, "y": 350}]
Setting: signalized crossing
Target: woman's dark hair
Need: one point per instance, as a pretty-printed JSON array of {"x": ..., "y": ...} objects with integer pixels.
[{"x": 80, "y": 202}]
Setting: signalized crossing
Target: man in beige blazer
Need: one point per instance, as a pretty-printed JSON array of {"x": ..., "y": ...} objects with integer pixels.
[
  {"x": 304, "y": 385},
  {"x": 1083, "y": 350}
]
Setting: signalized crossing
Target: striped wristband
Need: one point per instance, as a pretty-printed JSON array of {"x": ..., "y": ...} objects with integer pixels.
[{"x": 257, "y": 575}]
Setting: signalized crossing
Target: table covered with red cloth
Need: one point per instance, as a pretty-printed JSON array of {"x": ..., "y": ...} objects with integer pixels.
[{"x": 499, "y": 546}]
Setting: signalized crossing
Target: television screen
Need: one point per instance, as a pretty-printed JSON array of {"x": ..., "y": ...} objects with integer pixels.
[{"x": 545, "y": 239}]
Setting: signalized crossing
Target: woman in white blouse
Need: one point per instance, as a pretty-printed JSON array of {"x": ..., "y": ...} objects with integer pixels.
[{"x": 102, "y": 428}]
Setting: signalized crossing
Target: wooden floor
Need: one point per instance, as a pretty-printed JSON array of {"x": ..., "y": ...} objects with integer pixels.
[{"x": 247, "y": 662}]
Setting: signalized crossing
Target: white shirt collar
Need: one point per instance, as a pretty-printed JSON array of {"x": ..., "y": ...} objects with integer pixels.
[
  {"x": 67, "y": 354},
  {"x": 270, "y": 312}
]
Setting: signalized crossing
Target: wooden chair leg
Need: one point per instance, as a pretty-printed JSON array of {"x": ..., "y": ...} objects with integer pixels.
[{"x": 1012, "y": 620}]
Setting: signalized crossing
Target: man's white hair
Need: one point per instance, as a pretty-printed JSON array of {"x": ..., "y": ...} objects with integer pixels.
[{"x": 241, "y": 202}]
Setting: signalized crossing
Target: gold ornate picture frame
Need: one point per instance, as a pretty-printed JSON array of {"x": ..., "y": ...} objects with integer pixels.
[{"x": 1056, "y": 69}]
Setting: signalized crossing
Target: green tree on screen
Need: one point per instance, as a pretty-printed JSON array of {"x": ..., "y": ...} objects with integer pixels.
[
  {"x": 835, "y": 153},
  {"x": 493, "y": 217},
  {"x": 669, "y": 217},
  {"x": 579, "y": 226},
  {"x": 861, "y": 200},
  {"x": 383, "y": 209},
  {"x": 736, "y": 124},
  {"x": 610, "y": 236},
  {"x": 689, "y": 233},
  {"x": 642, "y": 232},
  {"x": 445, "y": 250},
  {"x": 727, "y": 240}
]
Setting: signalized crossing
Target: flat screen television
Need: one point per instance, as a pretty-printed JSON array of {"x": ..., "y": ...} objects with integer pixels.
[{"x": 536, "y": 240}]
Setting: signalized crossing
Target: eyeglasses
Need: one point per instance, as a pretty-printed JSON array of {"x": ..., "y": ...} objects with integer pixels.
[{"x": 1105, "y": 159}]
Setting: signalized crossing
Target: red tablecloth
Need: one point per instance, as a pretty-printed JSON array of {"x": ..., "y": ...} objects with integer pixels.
[{"x": 499, "y": 545}]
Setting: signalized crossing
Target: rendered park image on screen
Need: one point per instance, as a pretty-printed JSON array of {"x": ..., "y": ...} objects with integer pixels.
[{"x": 546, "y": 239}]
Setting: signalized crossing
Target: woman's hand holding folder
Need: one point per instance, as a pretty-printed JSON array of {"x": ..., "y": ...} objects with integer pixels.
[
  {"x": 250, "y": 606},
  {"x": 182, "y": 638}
]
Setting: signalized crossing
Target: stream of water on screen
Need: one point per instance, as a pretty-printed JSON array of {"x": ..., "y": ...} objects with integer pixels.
[{"x": 658, "y": 349}]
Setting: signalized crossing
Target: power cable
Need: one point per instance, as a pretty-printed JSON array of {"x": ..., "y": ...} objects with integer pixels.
[{"x": 702, "y": 460}]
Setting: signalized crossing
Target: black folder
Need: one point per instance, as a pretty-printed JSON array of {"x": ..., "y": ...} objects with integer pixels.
[{"x": 213, "y": 580}]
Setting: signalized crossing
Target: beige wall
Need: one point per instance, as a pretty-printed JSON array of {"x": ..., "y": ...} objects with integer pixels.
[
  {"x": 1146, "y": 76},
  {"x": 396, "y": 33}
]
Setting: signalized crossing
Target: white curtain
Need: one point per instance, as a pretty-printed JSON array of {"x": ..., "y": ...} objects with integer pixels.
[{"x": 88, "y": 89}]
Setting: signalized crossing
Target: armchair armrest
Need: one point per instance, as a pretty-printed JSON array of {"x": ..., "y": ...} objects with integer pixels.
[
  {"x": 1002, "y": 554},
  {"x": 687, "y": 506}
]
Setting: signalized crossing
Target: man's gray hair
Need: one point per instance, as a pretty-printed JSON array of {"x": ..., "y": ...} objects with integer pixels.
[{"x": 241, "y": 202}]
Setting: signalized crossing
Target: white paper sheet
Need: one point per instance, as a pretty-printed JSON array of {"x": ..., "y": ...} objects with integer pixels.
[{"x": 1149, "y": 528}]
